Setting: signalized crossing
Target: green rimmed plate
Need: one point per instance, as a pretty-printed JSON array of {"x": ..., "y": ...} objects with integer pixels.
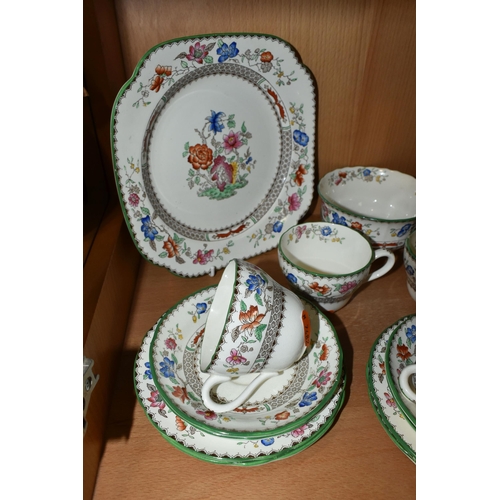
[
  {"x": 216, "y": 449},
  {"x": 281, "y": 404},
  {"x": 382, "y": 399},
  {"x": 401, "y": 351}
]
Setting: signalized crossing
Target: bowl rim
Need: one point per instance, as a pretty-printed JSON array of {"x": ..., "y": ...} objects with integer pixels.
[{"x": 351, "y": 212}]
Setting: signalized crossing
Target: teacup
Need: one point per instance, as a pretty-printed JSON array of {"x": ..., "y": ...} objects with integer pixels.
[
  {"x": 410, "y": 263},
  {"x": 408, "y": 382},
  {"x": 380, "y": 203},
  {"x": 255, "y": 329},
  {"x": 329, "y": 262}
]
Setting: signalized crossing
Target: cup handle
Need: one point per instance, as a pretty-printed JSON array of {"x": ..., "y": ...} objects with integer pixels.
[
  {"x": 391, "y": 259},
  {"x": 216, "y": 379},
  {"x": 404, "y": 383}
]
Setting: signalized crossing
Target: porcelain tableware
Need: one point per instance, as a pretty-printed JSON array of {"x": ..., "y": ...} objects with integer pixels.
[
  {"x": 380, "y": 203},
  {"x": 280, "y": 404},
  {"x": 329, "y": 262},
  {"x": 254, "y": 326},
  {"x": 410, "y": 263},
  {"x": 197, "y": 443},
  {"x": 401, "y": 353},
  {"x": 408, "y": 382},
  {"x": 213, "y": 141},
  {"x": 382, "y": 398}
]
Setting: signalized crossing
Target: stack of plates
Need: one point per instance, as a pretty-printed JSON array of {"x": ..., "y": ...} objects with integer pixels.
[
  {"x": 394, "y": 349},
  {"x": 286, "y": 415}
]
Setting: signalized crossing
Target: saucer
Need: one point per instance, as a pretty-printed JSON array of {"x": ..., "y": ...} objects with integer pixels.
[
  {"x": 281, "y": 404},
  {"x": 382, "y": 399},
  {"x": 401, "y": 351},
  {"x": 217, "y": 449}
]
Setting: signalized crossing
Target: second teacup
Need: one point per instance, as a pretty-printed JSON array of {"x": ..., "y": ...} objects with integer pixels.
[
  {"x": 255, "y": 329},
  {"x": 329, "y": 262}
]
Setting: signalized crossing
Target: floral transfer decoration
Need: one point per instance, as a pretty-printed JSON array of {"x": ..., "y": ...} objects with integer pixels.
[
  {"x": 401, "y": 352},
  {"x": 366, "y": 174},
  {"x": 162, "y": 240},
  {"x": 227, "y": 169},
  {"x": 204, "y": 445},
  {"x": 384, "y": 398},
  {"x": 178, "y": 377},
  {"x": 406, "y": 346},
  {"x": 383, "y": 234},
  {"x": 198, "y": 54},
  {"x": 316, "y": 288},
  {"x": 220, "y": 169},
  {"x": 297, "y": 186},
  {"x": 367, "y": 227}
]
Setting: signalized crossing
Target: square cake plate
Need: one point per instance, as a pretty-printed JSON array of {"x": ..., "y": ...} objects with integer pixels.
[{"x": 213, "y": 143}]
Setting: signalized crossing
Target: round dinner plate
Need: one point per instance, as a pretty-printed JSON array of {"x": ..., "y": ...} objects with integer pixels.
[
  {"x": 401, "y": 351},
  {"x": 217, "y": 449},
  {"x": 213, "y": 142},
  {"x": 382, "y": 399},
  {"x": 281, "y": 404}
]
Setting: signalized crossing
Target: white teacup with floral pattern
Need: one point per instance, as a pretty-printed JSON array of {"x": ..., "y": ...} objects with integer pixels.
[
  {"x": 255, "y": 329},
  {"x": 329, "y": 262},
  {"x": 380, "y": 203},
  {"x": 410, "y": 263}
]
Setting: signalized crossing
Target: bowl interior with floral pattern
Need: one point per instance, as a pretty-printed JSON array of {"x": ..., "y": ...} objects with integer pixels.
[{"x": 371, "y": 192}]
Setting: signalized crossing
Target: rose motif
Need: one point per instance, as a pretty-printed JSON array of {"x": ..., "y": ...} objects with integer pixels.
[{"x": 200, "y": 156}]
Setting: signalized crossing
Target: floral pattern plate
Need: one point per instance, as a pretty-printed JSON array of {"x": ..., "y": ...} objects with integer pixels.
[
  {"x": 244, "y": 452},
  {"x": 213, "y": 142},
  {"x": 281, "y": 404},
  {"x": 402, "y": 351},
  {"x": 382, "y": 399}
]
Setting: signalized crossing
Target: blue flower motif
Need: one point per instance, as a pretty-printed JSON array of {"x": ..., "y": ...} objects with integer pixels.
[
  {"x": 308, "y": 398},
  {"x": 201, "y": 307},
  {"x": 227, "y": 52},
  {"x": 278, "y": 226},
  {"x": 255, "y": 283},
  {"x": 367, "y": 172},
  {"x": 300, "y": 138},
  {"x": 404, "y": 230},
  {"x": 267, "y": 441},
  {"x": 215, "y": 121},
  {"x": 249, "y": 160},
  {"x": 148, "y": 373},
  {"x": 411, "y": 333},
  {"x": 167, "y": 368},
  {"x": 338, "y": 220},
  {"x": 326, "y": 231},
  {"x": 292, "y": 278},
  {"x": 410, "y": 270},
  {"x": 148, "y": 229}
]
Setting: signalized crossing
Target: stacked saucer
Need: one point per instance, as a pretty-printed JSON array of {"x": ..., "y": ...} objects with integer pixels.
[
  {"x": 285, "y": 415},
  {"x": 394, "y": 349}
]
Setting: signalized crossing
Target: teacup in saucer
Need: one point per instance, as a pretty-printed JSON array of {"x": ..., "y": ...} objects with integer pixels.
[
  {"x": 401, "y": 353},
  {"x": 281, "y": 404},
  {"x": 255, "y": 330}
]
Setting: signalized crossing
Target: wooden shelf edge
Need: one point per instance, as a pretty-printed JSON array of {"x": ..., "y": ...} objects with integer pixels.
[{"x": 108, "y": 313}]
